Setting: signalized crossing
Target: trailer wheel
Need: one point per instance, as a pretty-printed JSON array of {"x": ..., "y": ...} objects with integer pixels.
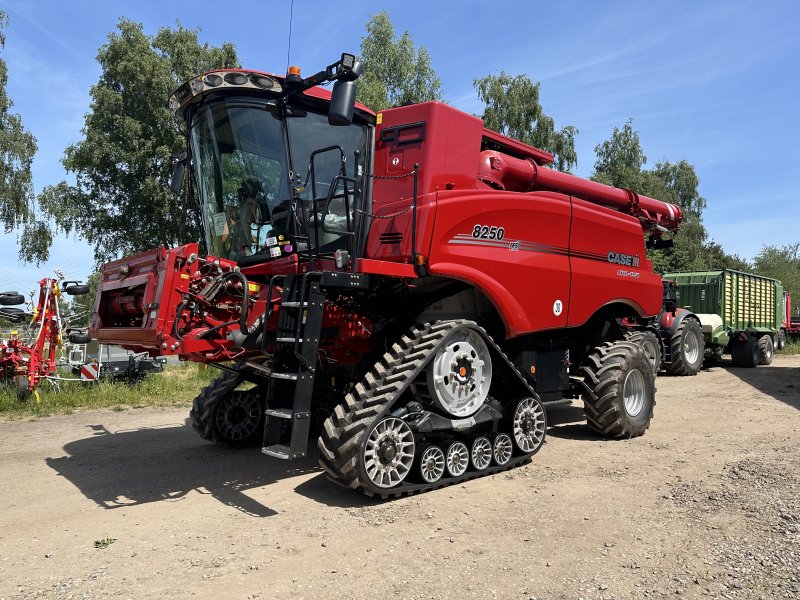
[
  {"x": 11, "y": 298},
  {"x": 651, "y": 346},
  {"x": 225, "y": 416},
  {"x": 686, "y": 347},
  {"x": 745, "y": 353},
  {"x": 619, "y": 390},
  {"x": 765, "y": 350}
]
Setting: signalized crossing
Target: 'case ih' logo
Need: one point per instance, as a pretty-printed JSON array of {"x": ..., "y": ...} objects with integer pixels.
[{"x": 623, "y": 259}]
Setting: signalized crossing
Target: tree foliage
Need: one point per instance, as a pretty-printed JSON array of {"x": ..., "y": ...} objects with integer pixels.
[
  {"x": 17, "y": 147},
  {"x": 396, "y": 72},
  {"x": 782, "y": 263},
  {"x": 620, "y": 162},
  {"x": 513, "y": 109},
  {"x": 120, "y": 202}
]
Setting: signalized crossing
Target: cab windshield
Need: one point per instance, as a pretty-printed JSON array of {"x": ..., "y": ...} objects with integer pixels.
[{"x": 262, "y": 178}]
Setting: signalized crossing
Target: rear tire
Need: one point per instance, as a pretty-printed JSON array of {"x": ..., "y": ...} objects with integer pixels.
[
  {"x": 619, "y": 390},
  {"x": 780, "y": 340},
  {"x": 766, "y": 350},
  {"x": 650, "y": 344},
  {"x": 687, "y": 348},
  {"x": 745, "y": 353}
]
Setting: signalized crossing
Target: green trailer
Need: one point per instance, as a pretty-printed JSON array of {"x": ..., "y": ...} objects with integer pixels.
[{"x": 740, "y": 313}]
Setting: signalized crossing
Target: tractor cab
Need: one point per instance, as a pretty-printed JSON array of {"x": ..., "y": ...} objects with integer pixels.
[{"x": 277, "y": 166}]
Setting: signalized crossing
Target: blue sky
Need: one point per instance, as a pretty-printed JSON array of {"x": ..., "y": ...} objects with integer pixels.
[{"x": 715, "y": 83}]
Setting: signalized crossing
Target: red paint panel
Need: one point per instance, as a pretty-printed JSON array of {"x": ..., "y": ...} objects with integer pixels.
[
  {"x": 526, "y": 272},
  {"x": 596, "y": 232}
]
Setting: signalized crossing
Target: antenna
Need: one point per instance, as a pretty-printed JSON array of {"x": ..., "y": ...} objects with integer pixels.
[{"x": 289, "y": 49}]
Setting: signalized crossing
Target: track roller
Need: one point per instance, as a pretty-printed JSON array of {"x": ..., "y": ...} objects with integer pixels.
[
  {"x": 481, "y": 453},
  {"x": 457, "y": 459},
  {"x": 431, "y": 464}
]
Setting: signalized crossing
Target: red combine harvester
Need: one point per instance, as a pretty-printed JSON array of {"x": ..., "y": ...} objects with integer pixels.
[
  {"x": 407, "y": 286},
  {"x": 29, "y": 362}
]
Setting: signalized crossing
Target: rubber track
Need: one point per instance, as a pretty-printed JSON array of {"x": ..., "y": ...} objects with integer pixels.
[
  {"x": 374, "y": 397},
  {"x": 203, "y": 406}
]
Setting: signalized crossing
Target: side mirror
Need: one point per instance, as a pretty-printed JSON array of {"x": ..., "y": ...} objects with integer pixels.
[
  {"x": 343, "y": 97},
  {"x": 176, "y": 181}
]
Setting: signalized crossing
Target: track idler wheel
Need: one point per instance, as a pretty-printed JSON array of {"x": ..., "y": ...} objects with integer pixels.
[
  {"x": 529, "y": 425},
  {"x": 389, "y": 452}
]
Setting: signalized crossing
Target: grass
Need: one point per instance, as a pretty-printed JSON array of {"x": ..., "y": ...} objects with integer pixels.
[
  {"x": 792, "y": 346},
  {"x": 176, "y": 386}
]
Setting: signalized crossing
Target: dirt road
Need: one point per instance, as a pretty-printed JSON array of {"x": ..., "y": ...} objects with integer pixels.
[{"x": 706, "y": 504}]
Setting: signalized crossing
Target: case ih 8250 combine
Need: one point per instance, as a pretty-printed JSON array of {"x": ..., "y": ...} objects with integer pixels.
[{"x": 407, "y": 286}]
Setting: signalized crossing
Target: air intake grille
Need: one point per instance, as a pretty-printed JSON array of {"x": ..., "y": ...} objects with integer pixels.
[{"x": 391, "y": 238}]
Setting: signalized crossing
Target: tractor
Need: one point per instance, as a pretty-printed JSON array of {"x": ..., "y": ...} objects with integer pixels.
[{"x": 408, "y": 288}]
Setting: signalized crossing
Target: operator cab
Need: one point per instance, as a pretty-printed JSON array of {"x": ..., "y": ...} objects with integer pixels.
[{"x": 274, "y": 170}]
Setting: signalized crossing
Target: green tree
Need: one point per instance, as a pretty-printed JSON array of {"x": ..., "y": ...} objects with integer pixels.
[
  {"x": 620, "y": 162},
  {"x": 17, "y": 147},
  {"x": 781, "y": 263},
  {"x": 120, "y": 202},
  {"x": 512, "y": 107},
  {"x": 396, "y": 72}
]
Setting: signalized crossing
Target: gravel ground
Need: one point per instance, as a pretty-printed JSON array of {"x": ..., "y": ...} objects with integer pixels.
[{"x": 133, "y": 504}]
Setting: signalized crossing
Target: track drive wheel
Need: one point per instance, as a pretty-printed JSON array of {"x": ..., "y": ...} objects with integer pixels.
[
  {"x": 224, "y": 415},
  {"x": 745, "y": 353},
  {"x": 687, "y": 348},
  {"x": 651, "y": 345},
  {"x": 619, "y": 390},
  {"x": 766, "y": 350}
]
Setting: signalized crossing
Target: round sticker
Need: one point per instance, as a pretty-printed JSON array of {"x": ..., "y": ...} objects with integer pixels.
[{"x": 558, "y": 306}]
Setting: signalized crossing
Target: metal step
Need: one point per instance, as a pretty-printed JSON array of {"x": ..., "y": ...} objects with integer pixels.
[
  {"x": 289, "y": 376},
  {"x": 281, "y": 413},
  {"x": 293, "y": 304},
  {"x": 287, "y": 340},
  {"x": 277, "y": 451}
]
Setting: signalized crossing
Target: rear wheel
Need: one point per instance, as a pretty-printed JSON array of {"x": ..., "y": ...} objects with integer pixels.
[
  {"x": 745, "y": 353},
  {"x": 765, "y": 350},
  {"x": 686, "y": 348},
  {"x": 780, "y": 340},
  {"x": 651, "y": 346},
  {"x": 619, "y": 390}
]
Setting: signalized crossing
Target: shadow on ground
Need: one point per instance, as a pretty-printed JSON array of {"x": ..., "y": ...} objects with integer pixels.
[
  {"x": 569, "y": 422},
  {"x": 779, "y": 382},
  {"x": 128, "y": 468}
]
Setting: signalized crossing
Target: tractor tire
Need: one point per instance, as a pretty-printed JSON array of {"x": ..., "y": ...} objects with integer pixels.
[
  {"x": 77, "y": 289},
  {"x": 11, "y": 299},
  {"x": 687, "y": 348},
  {"x": 745, "y": 353},
  {"x": 619, "y": 390},
  {"x": 224, "y": 415},
  {"x": 650, "y": 344},
  {"x": 765, "y": 350},
  {"x": 780, "y": 340}
]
